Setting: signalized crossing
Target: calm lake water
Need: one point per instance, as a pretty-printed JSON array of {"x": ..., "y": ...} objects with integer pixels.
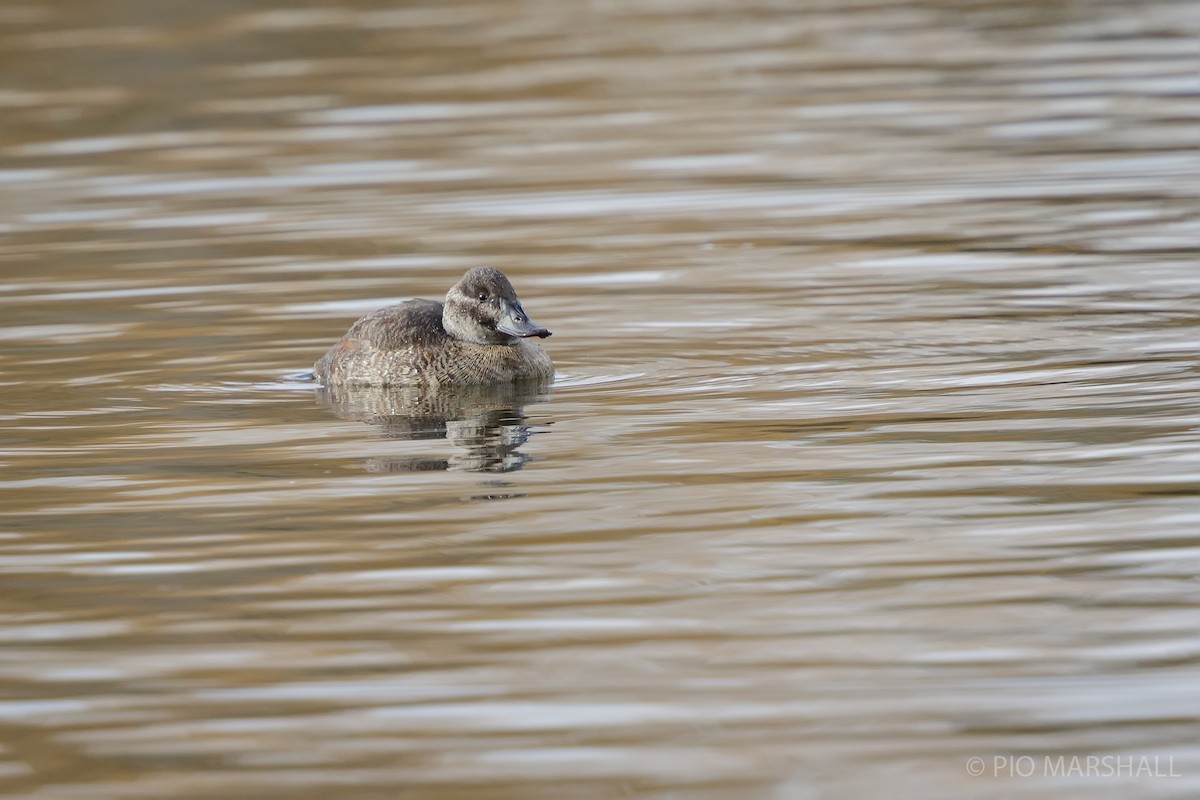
[{"x": 872, "y": 467}]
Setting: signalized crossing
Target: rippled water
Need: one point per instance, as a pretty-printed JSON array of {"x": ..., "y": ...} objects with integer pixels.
[{"x": 873, "y": 447}]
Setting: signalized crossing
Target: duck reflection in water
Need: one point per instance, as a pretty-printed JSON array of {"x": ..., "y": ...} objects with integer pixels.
[
  {"x": 460, "y": 370},
  {"x": 485, "y": 425}
]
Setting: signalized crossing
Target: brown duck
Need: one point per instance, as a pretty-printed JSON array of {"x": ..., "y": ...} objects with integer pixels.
[{"x": 479, "y": 335}]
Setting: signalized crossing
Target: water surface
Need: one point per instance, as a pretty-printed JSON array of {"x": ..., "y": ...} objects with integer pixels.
[{"x": 873, "y": 447}]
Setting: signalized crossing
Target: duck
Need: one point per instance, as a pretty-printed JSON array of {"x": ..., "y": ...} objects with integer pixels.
[{"x": 479, "y": 335}]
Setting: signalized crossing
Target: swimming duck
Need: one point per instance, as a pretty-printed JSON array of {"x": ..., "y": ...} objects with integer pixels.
[{"x": 479, "y": 335}]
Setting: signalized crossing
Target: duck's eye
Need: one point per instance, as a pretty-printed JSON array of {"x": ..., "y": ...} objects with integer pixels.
[{"x": 482, "y": 296}]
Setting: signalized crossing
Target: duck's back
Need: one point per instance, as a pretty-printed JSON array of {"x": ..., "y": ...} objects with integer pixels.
[
  {"x": 407, "y": 344},
  {"x": 414, "y": 322}
]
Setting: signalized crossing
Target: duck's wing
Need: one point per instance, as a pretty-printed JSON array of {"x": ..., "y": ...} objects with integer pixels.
[{"x": 382, "y": 343}]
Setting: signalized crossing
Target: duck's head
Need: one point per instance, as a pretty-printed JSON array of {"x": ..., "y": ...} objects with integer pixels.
[{"x": 483, "y": 308}]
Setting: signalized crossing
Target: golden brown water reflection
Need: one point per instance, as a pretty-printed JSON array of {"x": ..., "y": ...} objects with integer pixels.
[{"x": 873, "y": 447}]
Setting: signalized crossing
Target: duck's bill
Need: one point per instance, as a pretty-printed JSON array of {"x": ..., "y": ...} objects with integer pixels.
[{"x": 515, "y": 322}]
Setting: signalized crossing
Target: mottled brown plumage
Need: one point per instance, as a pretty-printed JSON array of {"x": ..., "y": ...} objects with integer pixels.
[{"x": 480, "y": 335}]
